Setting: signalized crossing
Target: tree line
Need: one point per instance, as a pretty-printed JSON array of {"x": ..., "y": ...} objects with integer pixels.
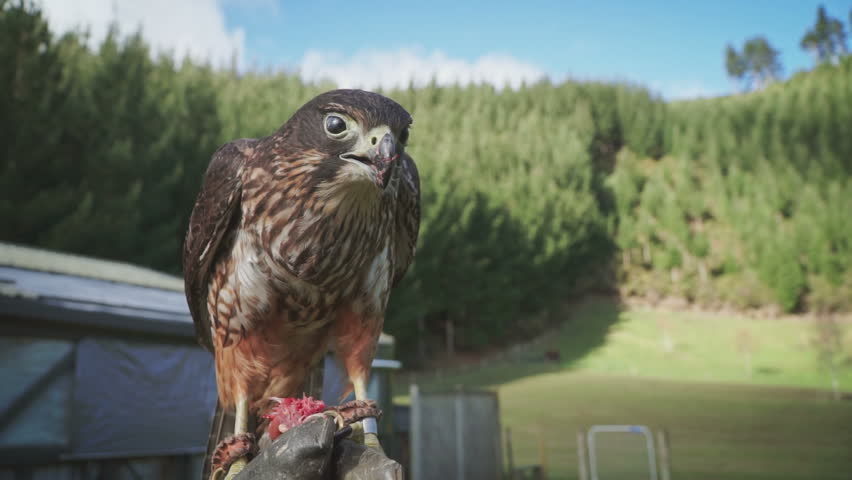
[
  {"x": 758, "y": 63},
  {"x": 529, "y": 195}
]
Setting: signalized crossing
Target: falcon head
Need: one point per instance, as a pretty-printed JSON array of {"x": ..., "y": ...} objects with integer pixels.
[{"x": 361, "y": 136}]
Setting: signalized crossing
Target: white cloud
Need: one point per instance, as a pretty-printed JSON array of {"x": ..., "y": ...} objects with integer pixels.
[
  {"x": 197, "y": 28},
  {"x": 388, "y": 69},
  {"x": 194, "y": 28}
]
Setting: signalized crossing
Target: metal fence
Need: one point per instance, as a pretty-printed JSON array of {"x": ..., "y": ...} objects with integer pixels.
[{"x": 455, "y": 436}]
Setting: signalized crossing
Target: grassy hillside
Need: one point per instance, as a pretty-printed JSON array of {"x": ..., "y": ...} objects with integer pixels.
[
  {"x": 603, "y": 338},
  {"x": 690, "y": 346},
  {"x": 618, "y": 366},
  {"x": 746, "y": 206}
]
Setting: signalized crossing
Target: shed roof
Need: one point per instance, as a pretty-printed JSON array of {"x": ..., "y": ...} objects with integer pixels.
[
  {"x": 90, "y": 292},
  {"x": 69, "y": 264}
]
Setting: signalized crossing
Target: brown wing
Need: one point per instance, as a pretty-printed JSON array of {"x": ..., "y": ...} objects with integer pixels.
[
  {"x": 407, "y": 219},
  {"x": 216, "y": 208}
]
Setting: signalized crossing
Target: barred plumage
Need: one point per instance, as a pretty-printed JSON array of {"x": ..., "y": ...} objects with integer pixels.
[{"x": 294, "y": 244}]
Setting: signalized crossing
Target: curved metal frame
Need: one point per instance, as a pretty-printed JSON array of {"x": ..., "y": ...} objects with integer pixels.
[{"x": 641, "y": 429}]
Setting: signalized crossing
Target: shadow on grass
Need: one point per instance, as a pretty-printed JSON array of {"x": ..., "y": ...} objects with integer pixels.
[
  {"x": 584, "y": 329},
  {"x": 483, "y": 278}
]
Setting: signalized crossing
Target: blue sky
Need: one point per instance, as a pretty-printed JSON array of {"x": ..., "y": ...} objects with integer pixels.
[{"x": 675, "y": 48}]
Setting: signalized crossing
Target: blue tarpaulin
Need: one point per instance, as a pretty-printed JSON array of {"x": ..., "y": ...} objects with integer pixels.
[
  {"x": 101, "y": 361},
  {"x": 141, "y": 399}
]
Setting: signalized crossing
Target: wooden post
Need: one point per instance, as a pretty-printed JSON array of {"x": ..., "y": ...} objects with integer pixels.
[
  {"x": 460, "y": 443},
  {"x": 663, "y": 448},
  {"x": 416, "y": 434},
  {"x": 509, "y": 454},
  {"x": 313, "y": 386},
  {"x": 582, "y": 457},
  {"x": 498, "y": 443},
  {"x": 542, "y": 452},
  {"x": 421, "y": 335},
  {"x": 451, "y": 337}
]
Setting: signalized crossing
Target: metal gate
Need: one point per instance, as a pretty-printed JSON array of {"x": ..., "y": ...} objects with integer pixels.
[{"x": 623, "y": 451}]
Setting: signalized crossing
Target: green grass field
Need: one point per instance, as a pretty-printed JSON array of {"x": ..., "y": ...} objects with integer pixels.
[
  {"x": 715, "y": 430},
  {"x": 617, "y": 367}
]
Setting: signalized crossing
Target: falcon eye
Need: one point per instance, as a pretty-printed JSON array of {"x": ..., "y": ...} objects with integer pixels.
[
  {"x": 403, "y": 137},
  {"x": 335, "y": 125}
]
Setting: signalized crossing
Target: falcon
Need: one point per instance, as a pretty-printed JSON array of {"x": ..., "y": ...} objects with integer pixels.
[{"x": 294, "y": 244}]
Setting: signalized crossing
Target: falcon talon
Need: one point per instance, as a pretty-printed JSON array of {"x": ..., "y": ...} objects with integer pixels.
[
  {"x": 343, "y": 432},
  {"x": 356, "y": 410},
  {"x": 233, "y": 448}
]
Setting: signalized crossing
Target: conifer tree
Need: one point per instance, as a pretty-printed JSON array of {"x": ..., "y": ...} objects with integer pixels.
[{"x": 826, "y": 40}]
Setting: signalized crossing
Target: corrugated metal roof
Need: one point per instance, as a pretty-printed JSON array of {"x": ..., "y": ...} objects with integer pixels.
[
  {"x": 55, "y": 262},
  {"x": 93, "y": 303},
  {"x": 90, "y": 292},
  {"x": 75, "y": 292}
]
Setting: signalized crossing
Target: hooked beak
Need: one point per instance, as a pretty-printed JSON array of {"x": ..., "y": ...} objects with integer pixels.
[
  {"x": 380, "y": 158},
  {"x": 384, "y": 156}
]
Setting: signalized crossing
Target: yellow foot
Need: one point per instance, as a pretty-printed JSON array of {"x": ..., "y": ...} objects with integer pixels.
[
  {"x": 372, "y": 440},
  {"x": 236, "y": 468},
  {"x": 371, "y": 433},
  {"x": 357, "y": 434}
]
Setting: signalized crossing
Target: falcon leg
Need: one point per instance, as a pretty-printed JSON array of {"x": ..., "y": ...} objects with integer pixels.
[
  {"x": 240, "y": 428},
  {"x": 371, "y": 430}
]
